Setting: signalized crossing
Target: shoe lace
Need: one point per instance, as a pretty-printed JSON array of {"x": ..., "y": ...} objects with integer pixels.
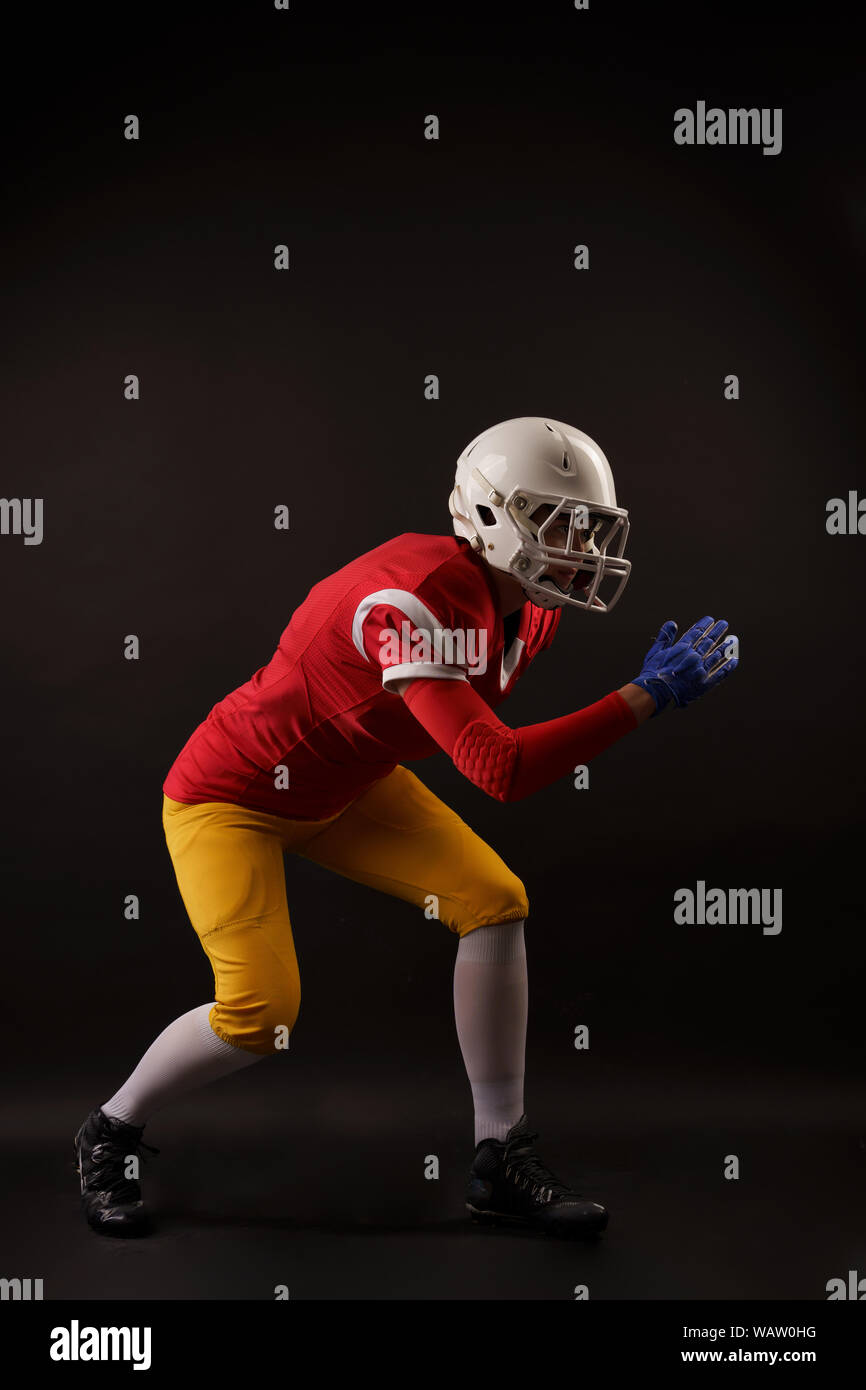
[
  {"x": 529, "y": 1172},
  {"x": 107, "y": 1159}
]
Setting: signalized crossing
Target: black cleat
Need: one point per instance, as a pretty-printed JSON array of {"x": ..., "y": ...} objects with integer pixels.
[
  {"x": 110, "y": 1201},
  {"x": 508, "y": 1182}
]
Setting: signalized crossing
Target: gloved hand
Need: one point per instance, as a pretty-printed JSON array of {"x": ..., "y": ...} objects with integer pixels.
[{"x": 684, "y": 670}]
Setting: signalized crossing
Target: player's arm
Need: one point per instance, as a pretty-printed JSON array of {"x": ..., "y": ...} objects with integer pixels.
[{"x": 509, "y": 764}]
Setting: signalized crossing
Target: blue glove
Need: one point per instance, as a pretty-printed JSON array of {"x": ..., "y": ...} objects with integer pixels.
[{"x": 684, "y": 670}]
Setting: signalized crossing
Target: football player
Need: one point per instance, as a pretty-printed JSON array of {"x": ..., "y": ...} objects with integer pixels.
[{"x": 406, "y": 650}]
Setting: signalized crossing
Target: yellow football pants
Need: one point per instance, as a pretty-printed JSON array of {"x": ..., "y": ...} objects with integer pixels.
[{"x": 397, "y": 837}]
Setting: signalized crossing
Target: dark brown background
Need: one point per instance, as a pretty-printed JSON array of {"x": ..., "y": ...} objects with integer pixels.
[{"x": 411, "y": 257}]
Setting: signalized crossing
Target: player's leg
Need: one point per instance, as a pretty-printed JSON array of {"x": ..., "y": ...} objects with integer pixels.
[
  {"x": 187, "y": 1054},
  {"x": 491, "y": 1009},
  {"x": 229, "y": 867},
  {"x": 400, "y": 838}
]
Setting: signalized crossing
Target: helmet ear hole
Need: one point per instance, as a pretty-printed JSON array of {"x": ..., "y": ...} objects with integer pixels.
[{"x": 485, "y": 516}]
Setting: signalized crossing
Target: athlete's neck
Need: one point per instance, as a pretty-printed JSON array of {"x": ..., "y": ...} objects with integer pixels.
[{"x": 511, "y": 596}]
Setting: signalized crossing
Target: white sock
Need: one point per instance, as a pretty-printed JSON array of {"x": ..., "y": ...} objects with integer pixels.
[
  {"x": 491, "y": 1005},
  {"x": 186, "y": 1054}
]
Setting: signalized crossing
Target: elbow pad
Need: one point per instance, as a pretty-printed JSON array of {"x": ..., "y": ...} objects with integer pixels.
[{"x": 488, "y": 757}]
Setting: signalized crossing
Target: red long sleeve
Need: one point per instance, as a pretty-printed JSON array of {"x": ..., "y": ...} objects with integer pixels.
[{"x": 509, "y": 764}]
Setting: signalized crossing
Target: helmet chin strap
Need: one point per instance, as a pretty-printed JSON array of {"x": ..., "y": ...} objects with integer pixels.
[
  {"x": 554, "y": 592},
  {"x": 550, "y": 586}
]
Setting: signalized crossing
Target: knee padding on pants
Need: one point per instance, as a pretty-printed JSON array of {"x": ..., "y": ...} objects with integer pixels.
[
  {"x": 257, "y": 986},
  {"x": 498, "y": 897},
  {"x": 259, "y": 1025}
]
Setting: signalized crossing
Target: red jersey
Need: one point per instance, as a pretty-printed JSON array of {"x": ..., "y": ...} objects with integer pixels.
[{"x": 321, "y": 722}]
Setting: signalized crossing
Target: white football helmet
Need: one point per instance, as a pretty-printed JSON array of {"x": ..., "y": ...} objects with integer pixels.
[{"x": 524, "y": 483}]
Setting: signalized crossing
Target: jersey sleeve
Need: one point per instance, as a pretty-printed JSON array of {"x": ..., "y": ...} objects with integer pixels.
[
  {"x": 408, "y": 639},
  {"x": 509, "y": 764}
]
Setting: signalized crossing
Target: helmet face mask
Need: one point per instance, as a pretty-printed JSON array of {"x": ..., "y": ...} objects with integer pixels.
[
  {"x": 574, "y": 555},
  {"x": 593, "y": 542}
]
